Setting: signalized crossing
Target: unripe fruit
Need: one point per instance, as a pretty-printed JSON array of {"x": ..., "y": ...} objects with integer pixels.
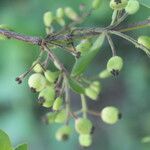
[
  {"x": 48, "y": 18},
  {"x": 110, "y": 115},
  {"x": 96, "y": 4},
  {"x": 50, "y": 117},
  {"x": 132, "y": 7},
  {"x": 84, "y": 46},
  {"x": 95, "y": 85},
  {"x": 71, "y": 14},
  {"x": 104, "y": 74},
  {"x": 118, "y": 4},
  {"x": 51, "y": 76},
  {"x": 60, "y": 13},
  {"x": 114, "y": 65},
  {"x": 37, "y": 82},
  {"x": 91, "y": 93},
  {"x": 85, "y": 140},
  {"x": 61, "y": 116},
  {"x": 61, "y": 21},
  {"x": 57, "y": 103},
  {"x": 63, "y": 133},
  {"x": 37, "y": 68},
  {"x": 145, "y": 41},
  {"x": 47, "y": 96},
  {"x": 83, "y": 126}
]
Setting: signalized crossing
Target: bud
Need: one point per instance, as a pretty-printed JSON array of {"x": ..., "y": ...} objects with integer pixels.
[
  {"x": 84, "y": 46},
  {"x": 37, "y": 82},
  {"x": 114, "y": 65},
  {"x": 51, "y": 76},
  {"x": 110, "y": 115},
  {"x": 48, "y": 18},
  {"x": 118, "y": 4},
  {"x": 85, "y": 140},
  {"x": 63, "y": 133},
  {"x": 132, "y": 7},
  {"x": 145, "y": 41},
  {"x": 57, "y": 103},
  {"x": 60, "y": 13},
  {"x": 96, "y": 4},
  {"x": 104, "y": 74},
  {"x": 61, "y": 21},
  {"x": 96, "y": 86},
  {"x": 71, "y": 14},
  {"x": 61, "y": 116},
  {"x": 47, "y": 96},
  {"x": 83, "y": 126},
  {"x": 37, "y": 68},
  {"x": 91, "y": 93}
]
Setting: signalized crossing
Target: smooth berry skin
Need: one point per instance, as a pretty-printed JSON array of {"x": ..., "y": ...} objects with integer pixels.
[{"x": 85, "y": 140}]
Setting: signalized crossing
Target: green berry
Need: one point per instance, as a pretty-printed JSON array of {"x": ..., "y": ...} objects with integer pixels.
[
  {"x": 71, "y": 14},
  {"x": 84, "y": 46},
  {"x": 61, "y": 116},
  {"x": 50, "y": 117},
  {"x": 37, "y": 67},
  {"x": 96, "y": 4},
  {"x": 91, "y": 93},
  {"x": 104, "y": 74},
  {"x": 60, "y": 13},
  {"x": 51, "y": 76},
  {"x": 83, "y": 126},
  {"x": 145, "y": 41},
  {"x": 110, "y": 115},
  {"x": 132, "y": 7},
  {"x": 48, "y": 18},
  {"x": 63, "y": 133},
  {"x": 60, "y": 21},
  {"x": 95, "y": 85},
  {"x": 118, "y": 4},
  {"x": 47, "y": 97},
  {"x": 85, "y": 140},
  {"x": 57, "y": 103},
  {"x": 114, "y": 65},
  {"x": 37, "y": 82}
]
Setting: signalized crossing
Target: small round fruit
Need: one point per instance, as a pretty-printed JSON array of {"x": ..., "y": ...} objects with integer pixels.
[
  {"x": 85, "y": 140},
  {"x": 57, "y": 103},
  {"x": 110, "y": 115},
  {"x": 47, "y": 96},
  {"x": 61, "y": 116},
  {"x": 63, "y": 133},
  {"x": 37, "y": 67},
  {"x": 114, "y": 65},
  {"x": 51, "y": 76},
  {"x": 132, "y": 7},
  {"x": 83, "y": 126},
  {"x": 145, "y": 41},
  {"x": 118, "y": 4},
  {"x": 48, "y": 18},
  {"x": 49, "y": 117},
  {"x": 37, "y": 82}
]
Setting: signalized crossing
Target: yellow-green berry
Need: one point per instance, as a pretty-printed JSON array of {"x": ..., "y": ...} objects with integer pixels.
[
  {"x": 96, "y": 86},
  {"x": 37, "y": 67},
  {"x": 47, "y": 96},
  {"x": 104, "y": 74},
  {"x": 51, "y": 76},
  {"x": 71, "y": 14},
  {"x": 145, "y": 41},
  {"x": 37, "y": 82},
  {"x": 96, "y": 4},
  {"x": 57, "y": 103},
  {"x": 50, "y": 117},
  {"x": 60, "y": 13},
  {"x": 132, "y": 7},
  {"x": 61, "y": 116},
  {"x": 114, "y": 65},
  {"x": 110, "y": 115},
  {"x": 63, "y": 133},
  {"x": 83, "y": 126},
  {"x": 85, "y": 140},
  {"x": 48, "y": 18},
  {"x": 118, "y": 4}
]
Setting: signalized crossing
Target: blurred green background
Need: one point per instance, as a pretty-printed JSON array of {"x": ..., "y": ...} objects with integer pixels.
[{"x": 20, "y": 115}]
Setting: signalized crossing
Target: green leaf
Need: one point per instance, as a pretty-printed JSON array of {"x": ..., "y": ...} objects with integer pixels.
[
  {"x": 83, "y": 62},
  {"x": 145, "y": 3},
  {"x": 76, "y": 86},
  {"x": 22, "y": 147},
  {"x": 5, "y": 143}
]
